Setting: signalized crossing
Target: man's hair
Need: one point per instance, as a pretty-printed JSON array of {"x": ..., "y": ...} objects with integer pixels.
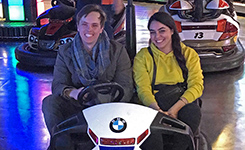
[{"x": 91, "y": 8}]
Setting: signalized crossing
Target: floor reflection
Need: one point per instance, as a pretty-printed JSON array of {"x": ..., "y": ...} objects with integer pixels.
[
  {"x": 222, "y": 111},
  {"x": 21, "y": 93}
]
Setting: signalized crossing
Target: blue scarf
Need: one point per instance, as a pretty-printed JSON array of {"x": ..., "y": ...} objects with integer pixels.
[{"x": 90, "y": 68}]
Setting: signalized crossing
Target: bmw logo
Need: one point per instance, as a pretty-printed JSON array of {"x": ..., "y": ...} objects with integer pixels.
[{"x": 118, "y": 125}]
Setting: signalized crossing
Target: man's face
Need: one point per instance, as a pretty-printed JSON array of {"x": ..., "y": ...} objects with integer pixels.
[{"x": 89, "y": 29}]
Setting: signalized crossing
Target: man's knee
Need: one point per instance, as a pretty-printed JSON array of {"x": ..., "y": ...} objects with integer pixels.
[
  {"x": 50, "y": 102},
  {"x": 45, "y": 102}
]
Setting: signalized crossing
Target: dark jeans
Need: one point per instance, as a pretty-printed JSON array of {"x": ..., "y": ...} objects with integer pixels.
[
  {"x": 55, "y": 110},
  {"x": 189, "y": 114}
]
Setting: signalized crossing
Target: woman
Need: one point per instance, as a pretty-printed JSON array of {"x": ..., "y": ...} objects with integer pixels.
[
  {"x": 176, "y": 64},
  {"x": 90, "y": 58}
]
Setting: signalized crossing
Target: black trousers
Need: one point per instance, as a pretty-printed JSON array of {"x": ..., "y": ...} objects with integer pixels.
[
  {"x": 189, "y": 114},
  {"x": 55, "y": 110}
]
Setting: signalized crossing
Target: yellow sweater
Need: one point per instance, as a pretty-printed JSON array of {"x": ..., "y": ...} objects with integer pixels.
[{"x": 168, "y": 72}]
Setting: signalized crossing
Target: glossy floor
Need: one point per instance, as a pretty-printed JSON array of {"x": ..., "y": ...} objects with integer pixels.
[{"x": 22, "y": 90}]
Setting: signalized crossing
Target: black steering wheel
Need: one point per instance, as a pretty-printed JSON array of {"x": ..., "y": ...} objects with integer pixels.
[{"x": 89, "y": 95}]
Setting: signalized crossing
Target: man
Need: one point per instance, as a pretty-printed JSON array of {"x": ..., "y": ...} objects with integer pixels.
[{"x": 91, "y": 57}]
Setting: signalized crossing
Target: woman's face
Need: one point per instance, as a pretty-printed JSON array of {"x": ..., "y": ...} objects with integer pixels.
[
  {"x": 89, "y": 29},
  {"x": 161, "y": 36}
]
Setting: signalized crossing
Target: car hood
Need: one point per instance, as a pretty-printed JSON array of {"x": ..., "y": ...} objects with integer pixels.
[{"x": 137, "y": 118}]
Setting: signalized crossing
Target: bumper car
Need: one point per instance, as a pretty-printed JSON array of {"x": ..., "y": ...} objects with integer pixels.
[
  {"x": 121, "y": 126},
  {"x": 55, "y": 27},
  {"x": 211, "y": 28}
]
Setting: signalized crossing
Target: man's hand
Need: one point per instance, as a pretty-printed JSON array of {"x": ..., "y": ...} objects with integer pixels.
[{"x": 74, "y": 93}]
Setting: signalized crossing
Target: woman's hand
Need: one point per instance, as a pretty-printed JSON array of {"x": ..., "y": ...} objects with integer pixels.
[
  {"x": 74, "y": 92},
  {"x": 173, "y": 111},
  {"x": 155, "y": 106}
]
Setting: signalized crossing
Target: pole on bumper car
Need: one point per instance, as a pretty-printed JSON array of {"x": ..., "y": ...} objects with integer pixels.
[
  {"x": 130, "y": 30},
  {"x": 198, "y": 14}
]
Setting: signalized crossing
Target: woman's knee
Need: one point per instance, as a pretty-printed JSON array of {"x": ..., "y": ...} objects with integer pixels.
[{"x": 191, "y": 115}]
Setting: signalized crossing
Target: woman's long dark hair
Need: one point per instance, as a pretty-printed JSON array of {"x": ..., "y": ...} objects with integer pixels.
[{"x": 167, "y": 20}]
